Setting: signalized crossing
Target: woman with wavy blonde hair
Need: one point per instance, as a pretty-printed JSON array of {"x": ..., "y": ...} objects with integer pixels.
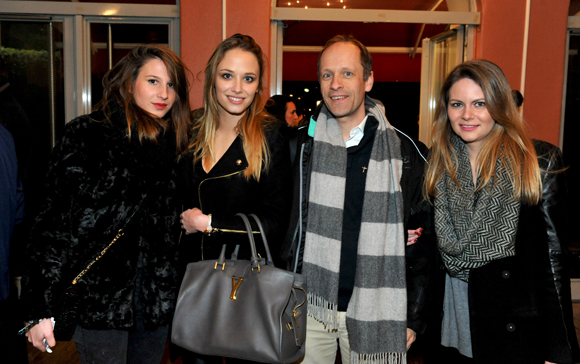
[
  {"x": 500, "y": 225},
  {"x": 244, "y": 115}
]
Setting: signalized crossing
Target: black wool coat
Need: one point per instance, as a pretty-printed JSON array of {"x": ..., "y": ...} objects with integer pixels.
[
  {"x": 224, "y": 192},
  {"x": 520, "y": 308},
  {"x": 96, "y": 180}
]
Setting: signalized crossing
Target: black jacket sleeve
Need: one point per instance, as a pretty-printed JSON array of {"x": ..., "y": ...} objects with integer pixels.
[
  {"x": 421, "y": 256},
  {"x": 51, "y": 232},
  {"x": 562, "y": 342}
]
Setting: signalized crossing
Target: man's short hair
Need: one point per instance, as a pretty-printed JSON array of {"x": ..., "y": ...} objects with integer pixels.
[{"x": 365, "y": 57}]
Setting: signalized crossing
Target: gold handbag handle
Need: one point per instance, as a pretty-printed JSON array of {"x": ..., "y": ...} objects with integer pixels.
[
  {"x": 119, "y": 234},
  {"x": 300, "y": 305}
]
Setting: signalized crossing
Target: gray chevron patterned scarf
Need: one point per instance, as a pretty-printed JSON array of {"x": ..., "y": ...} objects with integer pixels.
[
  {"x": 377, "y": 311},
  {"x": 474, "y": 228}
]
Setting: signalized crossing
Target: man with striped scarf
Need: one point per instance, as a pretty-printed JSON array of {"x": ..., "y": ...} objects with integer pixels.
[{"x": 357, "y": 184}]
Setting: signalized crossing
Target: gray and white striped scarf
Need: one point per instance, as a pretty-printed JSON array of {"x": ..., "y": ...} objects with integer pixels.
[{"x": 377, "y": 311}]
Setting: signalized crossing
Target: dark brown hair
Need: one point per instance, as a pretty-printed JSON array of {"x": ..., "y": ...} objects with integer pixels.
[{"x": 118, "y": 86}]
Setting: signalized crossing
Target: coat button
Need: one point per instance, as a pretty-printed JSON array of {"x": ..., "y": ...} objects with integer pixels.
[
  {"x": 505, "y": 274},
  {"x": 239, "y": 162},
  {"x": 510, "y": 327}
]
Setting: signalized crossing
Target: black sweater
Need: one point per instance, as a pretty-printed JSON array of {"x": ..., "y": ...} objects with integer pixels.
[{"x": 357, "y": 162}]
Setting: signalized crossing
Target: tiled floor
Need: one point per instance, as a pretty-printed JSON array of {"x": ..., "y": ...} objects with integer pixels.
[{"x": 65, "y": 352}]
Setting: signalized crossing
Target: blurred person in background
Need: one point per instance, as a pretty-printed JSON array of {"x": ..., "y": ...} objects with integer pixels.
[{"x": 12, "y": 347}]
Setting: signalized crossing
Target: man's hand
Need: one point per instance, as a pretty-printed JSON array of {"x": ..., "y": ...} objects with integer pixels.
[{"x": 411, "y": 337}]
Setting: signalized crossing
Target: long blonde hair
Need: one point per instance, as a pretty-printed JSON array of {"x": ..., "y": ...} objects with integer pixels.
[
  {"x": 251, "y": 125},
  {"x": 507, "y": 141}
]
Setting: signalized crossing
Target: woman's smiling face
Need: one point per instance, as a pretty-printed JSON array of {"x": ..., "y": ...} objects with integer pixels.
[
  {"x": 236, "y": 82},
  {"x": 468, "y": 115}
]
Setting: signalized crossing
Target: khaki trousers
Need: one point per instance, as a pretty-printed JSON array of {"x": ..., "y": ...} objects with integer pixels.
[{"x": 321, "y": 345}]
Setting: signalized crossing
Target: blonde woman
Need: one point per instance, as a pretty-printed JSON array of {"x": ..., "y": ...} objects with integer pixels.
[{"x": 237, "y": 160}]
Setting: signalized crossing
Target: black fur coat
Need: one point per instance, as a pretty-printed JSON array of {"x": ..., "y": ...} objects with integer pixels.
[{"x": 96, "y": 180}]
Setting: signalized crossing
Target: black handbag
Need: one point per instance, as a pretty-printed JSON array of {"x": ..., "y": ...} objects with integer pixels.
[
  {"x": 66, "y": 311},
  {"x": 67, "y": 314},
  {"x": 242, "y": 309}
]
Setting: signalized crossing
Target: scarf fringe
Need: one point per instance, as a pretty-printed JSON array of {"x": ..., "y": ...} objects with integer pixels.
[
  {"x": 323, "y": 311},
  {"x": 379, "y": 358}
]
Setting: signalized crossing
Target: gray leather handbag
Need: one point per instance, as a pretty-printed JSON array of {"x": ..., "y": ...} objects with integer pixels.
[{"x": 242, "y": 309}]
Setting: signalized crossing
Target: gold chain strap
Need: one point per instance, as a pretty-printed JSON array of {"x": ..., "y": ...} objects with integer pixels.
[{"x": 119, "y": 234}]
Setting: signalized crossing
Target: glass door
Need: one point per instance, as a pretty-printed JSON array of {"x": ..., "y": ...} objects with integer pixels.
[
  {"x": 112, "y": 39},
  {"x": 440, "y": 55},
  {"x": 32, "y": 92},
  {"x": 56, "y": 54},
  {"x": 571, "y": 129}
]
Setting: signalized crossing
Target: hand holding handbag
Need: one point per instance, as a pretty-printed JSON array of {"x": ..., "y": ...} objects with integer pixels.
[{"x": 242, "y": 309}]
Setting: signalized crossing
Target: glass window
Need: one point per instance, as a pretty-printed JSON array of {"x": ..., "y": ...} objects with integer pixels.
[
  {"x": 33, "y": 103},
  {"x": 124, "y": 37},
  {"x": 571, "y": 132}
]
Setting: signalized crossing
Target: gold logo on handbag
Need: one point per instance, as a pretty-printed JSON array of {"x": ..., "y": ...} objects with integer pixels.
[{"x": 235, "y": 286}]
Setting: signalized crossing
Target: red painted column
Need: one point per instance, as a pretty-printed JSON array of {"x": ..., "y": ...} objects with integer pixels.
[
  {"x": 500, "y": 39},
  {"x": 500, "y": 36},
  {"x": 201, "y": 32},
  {"x": 545, "y": 68}
]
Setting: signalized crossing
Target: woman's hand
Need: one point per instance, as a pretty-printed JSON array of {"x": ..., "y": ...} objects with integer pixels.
[
  {"x": 43, "y": 330},
  {"x": 193, "y": 220},
  {"x": 413, "y": 235}
]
